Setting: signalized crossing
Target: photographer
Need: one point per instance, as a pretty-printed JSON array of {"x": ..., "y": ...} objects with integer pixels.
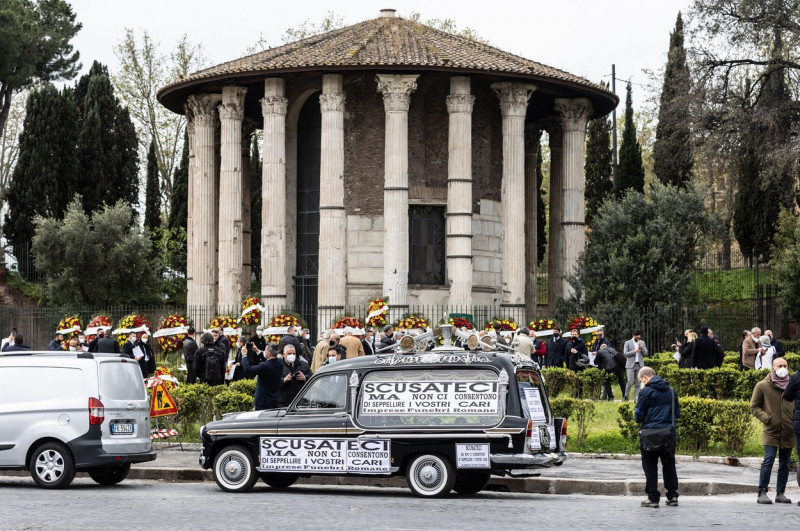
[
  {"x": 269, "y": 378},
  {"x": 295, "y": 373}
]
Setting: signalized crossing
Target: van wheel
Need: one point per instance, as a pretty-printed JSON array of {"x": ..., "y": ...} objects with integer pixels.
[
  {"x": 279, "y": 481},
  {"x": 471, "y": 481},
  {"x": 430, "y": 476},
  {"x": 109, "y": 475},
  {"x": 52, "y": 466},
  {"x": 234, "y": 470}
]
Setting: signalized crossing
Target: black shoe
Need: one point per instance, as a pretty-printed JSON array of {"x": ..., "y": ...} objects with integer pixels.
[
  {"x": 652, "y": 504},
  {"x": 672, "y": 502}
]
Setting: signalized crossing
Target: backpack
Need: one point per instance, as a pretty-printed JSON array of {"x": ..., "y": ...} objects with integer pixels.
[{"x": 212, "y": 368}]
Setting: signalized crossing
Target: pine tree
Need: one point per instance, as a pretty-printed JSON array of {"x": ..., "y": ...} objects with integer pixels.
[
  {"x": 255, "y": 207},
  {"x": 599, "y": 185},
  {"x": 179, "y": 202},
  {"x": 152, "y": 197},
  {"x": 45, "y": 177},
  {"x": 541, "y": 214},
  {"x": 673, "y": 156},
  {"x": 630, "y": 174}
]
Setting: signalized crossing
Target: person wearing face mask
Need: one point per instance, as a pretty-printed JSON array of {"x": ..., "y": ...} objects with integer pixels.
[
  {"x": 576, "y": 348},
  {"x": 635, "y": 351},
  {"x": 73, "y": 345},
  {"x": 792, "y": 394},
  {"x": 259, "y": 340},
  {"x": 295, "y": 373},
  {"x": 269, "y": 379},
  {"x": 291, "y": 339},
  {"x": 148, "y": 361},
  {"x": 82, "y": 342},
  {"x": 329, "y": 340},
  {"x": 336, "y": 353},
  {"x": 778, "y": 437},
  {"x": 556, "y": 350}
]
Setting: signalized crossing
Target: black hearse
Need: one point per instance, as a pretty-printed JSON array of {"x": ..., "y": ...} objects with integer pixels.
[{"x": 445, "y": 419}]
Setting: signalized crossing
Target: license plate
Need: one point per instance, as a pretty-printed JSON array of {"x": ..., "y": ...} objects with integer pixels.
[{"x": 122, "y": 428}]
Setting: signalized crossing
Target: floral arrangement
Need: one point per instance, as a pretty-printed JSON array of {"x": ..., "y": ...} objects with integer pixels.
[
  {"x": 223, "y": 322},
  {"x": 98, "y": 320},
  {"x": 69, "y": 322},
  {"x": 346, "y": 321},
  {"x": 460, "y": 322},
  {"x": 541, "y": 325},
  {"x": 380, "y": 319},
  {"x": 172, "y": 343},
  {"x": 253, "y": 317},
  {"x": 582, "y": 322},
  {"x": 284, "y": 319},
  {"x": 131, "y": 321},
  {"x": 506, "y": 323},
  {"x": 411, "y": 322},
  {"x": 166, "y": 371}
]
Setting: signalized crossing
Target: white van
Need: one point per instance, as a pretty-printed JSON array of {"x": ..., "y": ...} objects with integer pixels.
[{"x": 66, "y": 412}]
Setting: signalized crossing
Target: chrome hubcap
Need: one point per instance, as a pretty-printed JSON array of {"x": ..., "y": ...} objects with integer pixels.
[
  {"x": 49, "y": 466},
  {"x": 233, "y": 469},
  {"x": 429, "y": 474}
]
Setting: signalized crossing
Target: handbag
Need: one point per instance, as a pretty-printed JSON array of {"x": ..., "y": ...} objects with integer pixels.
[{"x": 659, "y": 439}]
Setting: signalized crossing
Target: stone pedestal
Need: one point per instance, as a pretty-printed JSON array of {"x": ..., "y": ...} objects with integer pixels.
[
  {"x": 575, "y": 115},
  {"x": 533, "y": 135},
  {"x": 554, "y": 226},
  {"x": 332, "y": 291},
  {"x": 231, "y": 114},
  {"x": 459, "y": 193},
  {"x": 513, "y": 104},
  {"x": 274, "y": 283},
  {"x": 204, "y": 238},
  {"x": 396, "y": 90}
]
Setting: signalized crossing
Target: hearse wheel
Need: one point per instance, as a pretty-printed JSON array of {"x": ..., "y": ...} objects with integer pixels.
[
  {"x": 52, "y": 466},
  {"x": 471, "y": 481},
  {"x": 234, "y": 470},
  {"x": 109, "y": 475},
  {"x": 279, "y": 481},
  {"x": 430, "y": 476}
]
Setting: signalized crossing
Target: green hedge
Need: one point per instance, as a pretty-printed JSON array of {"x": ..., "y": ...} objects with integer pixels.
[
  {"x": 246, "y": 386},
  {"x": 579, "y": 412},
  {"x": 197, "y": 403}
]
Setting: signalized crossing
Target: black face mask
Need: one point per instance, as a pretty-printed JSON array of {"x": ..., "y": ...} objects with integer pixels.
[
  {"x": 556, "y": 336},
  {"x": 332, "y": 343}
]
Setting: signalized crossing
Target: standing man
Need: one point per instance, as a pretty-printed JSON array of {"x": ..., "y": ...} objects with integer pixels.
[
  {"x": 221, "y": 341},
  {"x": 189, "y": 349},
  {"x": 290, "y": 339},
  {"x": 575, "y": 348},
  {"x": 14, "y": 344},
  {"x": 599, "y": 342},
  {"x": 658, "y": 407},
  {"x": 634, "y": 351},
  {"x": 295, "y": 373},
  {"x": 704, "y": 353},
  {"x": 351, "y": 343},
  {"x": 367, "y": 342},
  {"x": 792, "y": 394},
  {"x": 388, "y": 338},
  {"x": 751, "y": 348},
  {"x": 103, "y": 342},
  {"x": 259, "y": 340},
  {"x": 525, "y": 342},
  {"x": 556, "y": 350},
  {"x": 269, "y": 379},
  {"x": 780, "y": 350},
  {"x": 147, "y": 362},
  {"x": 55, "y": 344},
  {"x": 768, "y": 406}
]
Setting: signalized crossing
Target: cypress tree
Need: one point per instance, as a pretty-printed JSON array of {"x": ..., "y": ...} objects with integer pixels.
[
  {"x": 152, "y": 197},
  {"x": 541, "y": 214},
  {"x": 599, "y": 185},
  {"x": 255, "y": 207},
  {"x": 44, "y": 179},
  {"x": 673, "y": 156},
  {"x": 630, "y": 174},
  {"x": 179, "y": 202}
]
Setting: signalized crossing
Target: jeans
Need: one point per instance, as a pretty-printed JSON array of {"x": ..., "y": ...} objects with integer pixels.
[
  {"x": 784, "y": 454},
  {"x": 633, "y": 379},
  {"x": 650, "y": 467}
]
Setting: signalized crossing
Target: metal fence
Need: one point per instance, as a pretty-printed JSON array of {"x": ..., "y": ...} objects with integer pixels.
[{"x": 724, "y": 277}]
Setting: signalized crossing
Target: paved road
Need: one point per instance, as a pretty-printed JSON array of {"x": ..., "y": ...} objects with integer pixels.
[{"x": 146, "y": 504}]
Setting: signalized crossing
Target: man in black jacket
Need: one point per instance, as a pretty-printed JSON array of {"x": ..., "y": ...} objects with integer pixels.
[
  {"x": 189, "y": 349},
  {"x": 259, "y": 340},
  {"x": 556, "y": 350},
  {"x": 295, "y": 373},
  {"x": 704, "y": 353},
  {"x": 269, "y": 374},
  {"x": 204, "y": 371},
  {"x": 14, "y": 344},
  {"x": 575, "y": 348},
  {"x": 103, "y": 342},
  {"x": 388, "y": 338},
  {"x": 780, "y": 350},
  {"x": 290, "y": 339}
]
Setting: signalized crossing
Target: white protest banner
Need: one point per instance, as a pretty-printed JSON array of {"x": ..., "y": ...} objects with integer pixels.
[
  {"x": 534, "y": 401},
  {"x": 334, "y": 456},
  {"x": 472, "y": 456},
  {"x": 430, "y": 398}
]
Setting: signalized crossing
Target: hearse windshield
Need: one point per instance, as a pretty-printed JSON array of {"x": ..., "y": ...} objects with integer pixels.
[{"x": 433, "y": 397}]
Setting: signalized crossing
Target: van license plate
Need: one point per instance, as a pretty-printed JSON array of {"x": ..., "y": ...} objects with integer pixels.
[{"x": 122, "y": 428}]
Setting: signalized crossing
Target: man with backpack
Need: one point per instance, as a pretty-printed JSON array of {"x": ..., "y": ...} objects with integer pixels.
[{"x": 209, "y": 361}]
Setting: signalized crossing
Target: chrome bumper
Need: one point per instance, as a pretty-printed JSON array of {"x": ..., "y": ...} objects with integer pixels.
[{"x": 528, "y": 460}]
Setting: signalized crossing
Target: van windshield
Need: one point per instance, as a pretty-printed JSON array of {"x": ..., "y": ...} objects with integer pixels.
[
  {"x": 531, "y": 395},
  {"x": 121, "y": 381},
  {"x": 444, "y": 397}
]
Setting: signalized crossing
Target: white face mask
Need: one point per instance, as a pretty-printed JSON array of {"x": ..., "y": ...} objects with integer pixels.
[
  {"x": 290, "y": 358},
  {"x": 783, "y": 372},
  {"x": 280, "y": 356},
  {"x": 331, "y": 359},
  {"x": 72, "y": 349},
  {"x": 144, "y": 339},
  {"x": 259, "y": 333}
]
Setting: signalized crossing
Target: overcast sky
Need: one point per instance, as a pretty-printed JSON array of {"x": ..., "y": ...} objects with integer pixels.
[{"x": 583, "y": 37}]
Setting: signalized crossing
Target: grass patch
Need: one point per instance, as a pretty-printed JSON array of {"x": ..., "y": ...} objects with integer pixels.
[{"x": 31, "y": 290}]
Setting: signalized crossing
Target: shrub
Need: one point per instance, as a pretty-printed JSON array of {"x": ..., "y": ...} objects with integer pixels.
[
  {"x": 793, "y": 360},
  {"x": 562, "y": 406},
  {"x": 246, "y": 386},
  {"x": 660, "y": 361},
  {"x": 588, "y": 384},
  {"x": 747, "y": 382},
  {"x": 556, "y": 379},
  {"x": 582, "y": 415},
  {"x": 695, "y": 425},
  {"x": 194, "y": 403},
  {"x": 627, "y": 426},
  {"x": 731, "y": 358},
  {"x": 733, "y": 425},
  {"x": 232, "y": 402},
  {"x": 721, "y": 383}
]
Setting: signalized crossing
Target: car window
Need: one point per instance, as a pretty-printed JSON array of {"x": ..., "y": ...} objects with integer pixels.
[
  {"x": 433, "y": 397},
  {"x": 532, "y": 395},
  {"x": 328, "y": 392},
  {"x": 121, "y": 381}
]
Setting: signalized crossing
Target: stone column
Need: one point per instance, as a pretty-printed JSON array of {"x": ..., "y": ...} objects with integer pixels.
[
  {"x": 231, "y": 114},
  {"x": 459, "y": 193},
  {"x": 513, "y": 104},
  {"x": 204, "y": 239},
  {"x": 396, "y": 90},
  {"x": 533, "y": 134},
  {"x": 191, "y": 187},
  {"x": 575, "y": 115},
  {"x": 274, "y": 283},
  {"x": 332, "y": 290},
  {"x": 247, "y": 229},
  {"x": 554, "y": 227}
]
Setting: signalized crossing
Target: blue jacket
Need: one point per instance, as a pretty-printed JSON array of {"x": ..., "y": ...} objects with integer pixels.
[
  {"x": 653, "y": 409},
  {"x": 268, "y": 388}
]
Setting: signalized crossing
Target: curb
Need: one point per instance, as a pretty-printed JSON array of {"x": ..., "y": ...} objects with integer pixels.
[{"x": 748, "y": 462}]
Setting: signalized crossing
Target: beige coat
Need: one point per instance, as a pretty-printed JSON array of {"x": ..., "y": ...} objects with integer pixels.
[
  {"x": 775, "y": 413},
  {"x": 353, "y": 346},
  {"x": 750, "y": 348},
  {"x": 320, "y": 354}
]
